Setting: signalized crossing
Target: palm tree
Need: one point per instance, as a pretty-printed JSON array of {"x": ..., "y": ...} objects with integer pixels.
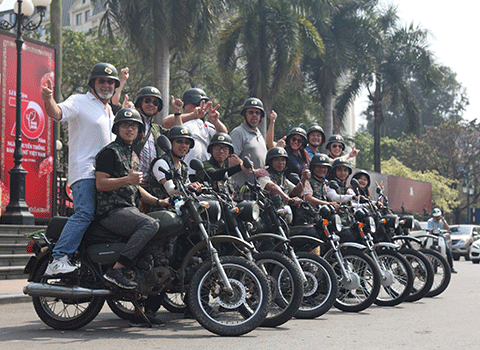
[
  {"x": 267, "y": 38},
  {"x": 393, "y": 56},
  {"x": 339, "y": 25},
  {"x": 159, "y": 27}
]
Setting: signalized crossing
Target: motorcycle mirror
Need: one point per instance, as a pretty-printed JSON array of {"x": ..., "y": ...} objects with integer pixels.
[
  {"x": 379, "y": 190},
  {"x": 164, "y": 143},
  {"x": 354, "y": 183},
  {"x": 196, "y": 165},
  {"x": 247, "y": 163},
  {"x": 333, "y": 185},
  {"x": 293, "y": 178}
]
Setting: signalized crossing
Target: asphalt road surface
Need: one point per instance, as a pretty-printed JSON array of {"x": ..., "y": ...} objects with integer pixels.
[{"x": 449, "y": 321}]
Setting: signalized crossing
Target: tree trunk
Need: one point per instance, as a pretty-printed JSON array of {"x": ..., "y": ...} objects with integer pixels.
[
  {"x": 377, "y": 124},
  {"x": 328, "y": 113},
  {"x": 161, "y": 73}
]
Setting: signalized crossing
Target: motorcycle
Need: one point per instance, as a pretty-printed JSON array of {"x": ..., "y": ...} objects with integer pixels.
[
  {"x": 227, "y": 295},
  {"x": 285, "y": 279}
]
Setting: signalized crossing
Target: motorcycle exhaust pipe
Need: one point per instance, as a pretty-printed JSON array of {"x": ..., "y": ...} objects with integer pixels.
[{"x": 48, "y": 290}]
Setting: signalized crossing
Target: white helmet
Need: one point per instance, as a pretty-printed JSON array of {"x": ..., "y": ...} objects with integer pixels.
[{"x": 436, "y": 212}]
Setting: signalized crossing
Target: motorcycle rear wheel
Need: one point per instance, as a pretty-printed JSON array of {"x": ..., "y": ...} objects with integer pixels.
[
  {"x": 229, "y": 314},
  {"x": 65, "y": 313},
  {"x": 441, "y": 270}
]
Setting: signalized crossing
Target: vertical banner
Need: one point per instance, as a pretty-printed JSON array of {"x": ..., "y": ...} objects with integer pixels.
[{"x": 38, "y": 64}]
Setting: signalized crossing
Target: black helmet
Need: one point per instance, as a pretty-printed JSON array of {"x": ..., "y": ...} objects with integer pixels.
[
  {"x": 220, "y": 138},
  {"x": 316, "y": 128},
  {"x": 103, "y": 70},
  {"x": 194, "y": 96},
  {"x": 253, "y": 102},
  {"x": 335, "y": 138},
  {"x": 151, "y": 91},
  {"x": 361, "y": 172},
  {"x": 319, "y": 159},
  {"x": 181, "y": 131},
  {"x": 128, "y": 114},
  {"x": 341, "y": 162},
  {"x": 275, "y": 152},
  {"x": 297, "y": 131}
]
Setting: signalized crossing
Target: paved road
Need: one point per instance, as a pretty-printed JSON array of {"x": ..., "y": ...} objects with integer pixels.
[{"x": 449, "y": 321}]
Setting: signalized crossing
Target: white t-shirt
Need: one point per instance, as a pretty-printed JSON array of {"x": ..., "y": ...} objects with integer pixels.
[
  {"x": 202, "y": 133},
  {"x": 89, "y": 130}
]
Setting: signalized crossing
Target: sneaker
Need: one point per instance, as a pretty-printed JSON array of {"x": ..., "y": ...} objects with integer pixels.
[
  {"x": 154, "y": 320},
  {"x": 120, "y": 278},
  {"x": 453, "y": 270},
  {"x": 61, "y": 266}
]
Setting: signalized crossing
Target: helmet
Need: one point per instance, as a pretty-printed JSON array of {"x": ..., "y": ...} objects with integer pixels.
[
  {"x": 220, "y": 138},
  {"x": 148, "y": 91},
  {"x": 275, "y": 152},
  {"x": 128, "y": 114},
  {"x": 436, "y": 212},
  {"x": 319, "y": 159},
  {"x": 297, "y": 131},
  {"x": 316, "y": 128},
  {"x": 335, "y": 138},
  {"x": 181, "y": 131},
  {"x": 194, "y": 96},
  {"x": 103, "y": 70},
  {"x": 253, "y": 102},
  {"x": 359, "y": 173},
  {"x": 341, "y": 162}
]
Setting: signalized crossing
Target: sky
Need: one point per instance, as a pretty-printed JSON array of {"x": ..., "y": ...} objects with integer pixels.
[
  {"x": 453, "y": 40},
  {"x": 453, "y": 28}
]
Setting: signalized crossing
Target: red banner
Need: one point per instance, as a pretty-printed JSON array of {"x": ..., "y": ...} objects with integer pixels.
[{"x": 38, "y": 63}]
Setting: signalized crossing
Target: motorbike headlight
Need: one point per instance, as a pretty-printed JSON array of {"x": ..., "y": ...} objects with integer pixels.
[
  {"x": 213, "y": 209},
  {"x": 391, "y": 221},
  {"x": 407, "y": 222},
  {"x": 286, "y": 213},
  {"x": 249, "y": 211},
  {"x": 371, "y": 224},
  {"x": 336, "y": 223}
]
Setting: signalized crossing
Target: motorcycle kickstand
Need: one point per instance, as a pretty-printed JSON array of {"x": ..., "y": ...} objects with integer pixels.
[{"x": 138, "y": 308}]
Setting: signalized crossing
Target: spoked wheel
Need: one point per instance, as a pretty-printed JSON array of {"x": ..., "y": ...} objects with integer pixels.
[
  {"x": 320, "y": 289},
  {"x": 66, "y": 313},
  {"x": 174, "y": 302},
  {"x": 224, "y": 313},
  {"x": 397, "y": 279},
  {"x": 122, "y": 308},
  {"x": 441, "y": 271},
  {"x": 286, "y": 286},
  {"x": 359, "y": 289},
  {"x": 422, "y": 273}
]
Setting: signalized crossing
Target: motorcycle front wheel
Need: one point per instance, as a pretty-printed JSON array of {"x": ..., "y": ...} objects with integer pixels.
[
  {"x": 286, "y": 286},
  {"x": 359, "y": 289},
  {"x": 234, "y": 313},
  {"x": 422, "y": 273},
  {"x": 441, "y": 272},
  {"x": 65, "y": 313},
  {"x": 397, "y": 281},
  {"x": 320, "y": 290}
]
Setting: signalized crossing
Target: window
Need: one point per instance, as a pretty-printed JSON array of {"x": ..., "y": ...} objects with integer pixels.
[
  {"x": 79, "y": 18},
  {"x": 87, "y": 15}
]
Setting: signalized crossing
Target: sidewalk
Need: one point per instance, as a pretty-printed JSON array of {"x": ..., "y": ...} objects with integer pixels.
[{"x": 11, "y": 291}]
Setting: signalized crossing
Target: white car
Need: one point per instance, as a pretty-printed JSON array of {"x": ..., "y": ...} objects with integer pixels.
[
  {"x": 474, "y": 253},
  {"x": 462, "y": 238}
]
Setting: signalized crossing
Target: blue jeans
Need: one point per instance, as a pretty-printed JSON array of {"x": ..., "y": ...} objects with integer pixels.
[{"x": 83, "y": 192}]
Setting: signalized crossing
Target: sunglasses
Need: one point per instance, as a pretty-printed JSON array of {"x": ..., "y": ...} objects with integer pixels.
[
  {"x": 221, "y": 148},
  {"x": 296, "y": 139},
  {"x": 337, "y": 146},
  {"x": 155, "y": 101},
  {"x": 183, "y": 142},
  {"x": 254, "y": 112},
  {"x": 108, "y": 81},
  {"x": 133, "y": 126}
]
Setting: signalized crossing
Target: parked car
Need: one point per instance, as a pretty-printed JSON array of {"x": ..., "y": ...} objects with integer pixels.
[
  {"x": 474, "y": 253},
  {"x": 462, "y": 238}
]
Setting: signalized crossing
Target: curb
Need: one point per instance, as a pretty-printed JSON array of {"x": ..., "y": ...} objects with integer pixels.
[{"x": 14, "y": 298}]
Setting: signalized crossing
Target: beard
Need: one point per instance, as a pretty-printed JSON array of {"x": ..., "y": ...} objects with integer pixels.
[{"x": 105, "y": 95}]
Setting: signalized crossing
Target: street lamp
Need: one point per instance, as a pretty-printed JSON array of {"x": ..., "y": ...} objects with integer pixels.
[
  {"x": 17, "y": 210},
  {"x": 469, "y": 190}
]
